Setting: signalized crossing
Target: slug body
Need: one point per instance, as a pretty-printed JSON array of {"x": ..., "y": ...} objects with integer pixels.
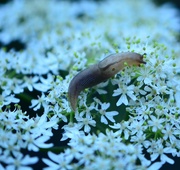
[{"x": 101, "y": 72}]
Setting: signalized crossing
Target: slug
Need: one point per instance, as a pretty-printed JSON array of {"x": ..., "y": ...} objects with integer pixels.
[{"x": 101, "y": 72}]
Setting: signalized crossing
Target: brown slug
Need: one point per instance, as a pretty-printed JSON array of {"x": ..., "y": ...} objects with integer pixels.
[{"x": 101, "y": 72}]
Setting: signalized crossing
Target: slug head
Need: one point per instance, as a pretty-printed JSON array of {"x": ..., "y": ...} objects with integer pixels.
[{"x": 116, "y": 62}]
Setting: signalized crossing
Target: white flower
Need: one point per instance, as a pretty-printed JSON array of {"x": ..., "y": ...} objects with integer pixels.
[
  {"x": 13, "y": 86},
  {"x": 44, "y": 86},
  {"x": 104, "y": 114},
  {"x": 169, "y": 132},
  {"x": 71, "y": 130},
  {"x": 145, "y": 75},
  {"x": 124, "y": 91},
  {"x": 34, "y": 142},
  {"x": 156, "y": 123},
  {"x": 85, "y": 122},
  {"x": 19, "y": 161},
  {"x": 138, "y": 138},
  {"x": 100, "y": 163},
  {"x": 137, "y": 126},
  {"x": 37, "y": 103},
  {"x": 159, "y": 151},
  {"x": 57, "y": 110},
  {"x": 124, "y": 129},
  {"x": 58, "y": 161},
  {"x": 29, "y": 82}
]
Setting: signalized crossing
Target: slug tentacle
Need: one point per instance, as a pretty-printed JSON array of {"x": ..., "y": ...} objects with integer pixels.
[{"x": 101, "y": 72}]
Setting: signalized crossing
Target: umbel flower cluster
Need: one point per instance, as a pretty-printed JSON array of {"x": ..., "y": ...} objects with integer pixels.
[{"x": 131, "y": 121}]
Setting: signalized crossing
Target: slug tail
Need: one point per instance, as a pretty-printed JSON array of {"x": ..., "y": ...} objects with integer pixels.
[{"x": 73, "y": 93}]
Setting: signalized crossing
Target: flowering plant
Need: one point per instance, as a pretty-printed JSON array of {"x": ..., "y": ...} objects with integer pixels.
[{"x": 131, "y": 121}]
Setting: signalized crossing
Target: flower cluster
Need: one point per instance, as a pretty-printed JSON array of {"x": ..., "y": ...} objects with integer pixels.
[
  {"x": 131, "y": 121},
  {"x": 105, "y": 151}
]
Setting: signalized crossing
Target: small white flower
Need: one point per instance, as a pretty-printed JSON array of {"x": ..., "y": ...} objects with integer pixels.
[
  {"x": 34, "y": 142},
  {"x": 19, "y": 161},
  {"x": 57, "y": 110},
  {"x": 71, "y": 131},
  {"x": 159, "y": 151},
  {"x": 58, "y": 161},
  {"x": 169, "y": 132},
  {"x": 145, "y": 75},
  {"x": 13, "y": 86},
  {"x": 137, "y": 126},
  {"x": 7, "y": 99},
  {"x": 104, "y": 114},
  {"x": 156, "y": 123},
  {"x": 30, "y": 81},
  {"x": 138, "y": 138},
  {"x": 37, "y": 103},
  {"x": 85, "y": 122},
  {"x": 124, "y": 91}
]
